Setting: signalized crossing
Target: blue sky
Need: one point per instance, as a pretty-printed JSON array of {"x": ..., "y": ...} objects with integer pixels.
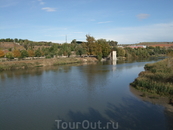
[{"x": 125, "y": 21}]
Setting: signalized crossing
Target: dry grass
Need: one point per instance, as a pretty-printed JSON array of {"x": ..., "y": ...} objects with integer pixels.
[{"x": 23, "y": 64}]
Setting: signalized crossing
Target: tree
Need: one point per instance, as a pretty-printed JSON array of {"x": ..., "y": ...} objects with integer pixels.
[
  {"x": 120, "y": 51},
  {"x": 66, "y": 49},
  {"x": 53, "y": 49},
  {"x": 37, "y": 53},
  {"x": 98, "y": 52},
  {"x": 31, "y": 53},
  {"x": 112, "y": 43},
  {"x": 73, "y": 44},
  {"x": 105, "y": 47},
  {"x": 9, "y": 55},
  {"x": 90, "y": 46},
  {"x": 80, "y": 50},
  {"x": 16, "y": 40},
  {"x": 10, "y": 49},
  {"x": 26, "y": 44},
  {"x": 2, "y": 54},
  {"x": 24, "y": 54},
  {"x": 73, "y": 41},
  {"x": 16, "y": 53}
]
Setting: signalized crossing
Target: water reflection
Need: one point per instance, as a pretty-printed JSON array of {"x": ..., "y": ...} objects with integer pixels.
[
  {"x": 157, "y": 100},
  {"x": 33, "y": 72},
  {"x": 35, "y": 98},
  {"x": 130, "y": 115}
]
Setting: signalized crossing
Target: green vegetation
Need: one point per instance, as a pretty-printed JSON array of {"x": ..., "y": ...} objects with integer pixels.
[
  {"x": 157, "y": 77},
  {"x": 99, "y": 48},
  {"x": 131, "y": 53}
]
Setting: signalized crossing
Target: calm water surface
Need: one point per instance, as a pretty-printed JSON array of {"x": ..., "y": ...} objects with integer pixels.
[{"x": 34, "y": 99}]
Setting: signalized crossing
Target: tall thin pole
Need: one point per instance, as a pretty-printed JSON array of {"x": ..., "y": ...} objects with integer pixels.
[{"x": 66, "y": 38}]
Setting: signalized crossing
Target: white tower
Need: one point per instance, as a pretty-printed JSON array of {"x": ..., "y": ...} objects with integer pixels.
[{"x": 114, "y": 55}]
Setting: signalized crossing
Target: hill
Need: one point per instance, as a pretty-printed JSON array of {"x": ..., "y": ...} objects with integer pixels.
[
  {"x": 7, "y": 45},
  {"x": 154, "y": 44}
]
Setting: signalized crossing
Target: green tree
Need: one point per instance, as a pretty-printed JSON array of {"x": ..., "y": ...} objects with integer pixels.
[
  {"x": 54, "y": 49},
  {"x": 112, "y": 43},
  {"x": 80, "y": 50},
  {"x": 90, "y": 45},
  {"x": 120, "y": 52},
  {"x": 73, "y": 44},
  {"x": 104, "y": 46},
  {"x": 98, "y": 51},
  {"x": 66, "y": 49},
  {"x": 10, "y": 49},
  {"x": 26, "y": 44},
  {"x": 38, "y": 53},
  {"x": 16, "y": 40},
  {"x": 9, "y": 55},
  {"x": 24, "y": 54},
  {"x": 73, "y": 41}
]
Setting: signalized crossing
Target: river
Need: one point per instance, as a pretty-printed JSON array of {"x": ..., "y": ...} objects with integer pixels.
[{"x": 77, "y": 97}]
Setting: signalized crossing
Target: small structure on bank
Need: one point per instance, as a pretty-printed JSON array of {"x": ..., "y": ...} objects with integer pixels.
[{"x": 112, "y": 56}]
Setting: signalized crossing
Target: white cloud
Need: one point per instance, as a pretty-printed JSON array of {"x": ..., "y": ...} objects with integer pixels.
[
  {"x": 142, "y": 16},
  {"x": 149, "y": 33},
  {"x": 48, "y": 9},
  {"x": 104, "y": 22}
]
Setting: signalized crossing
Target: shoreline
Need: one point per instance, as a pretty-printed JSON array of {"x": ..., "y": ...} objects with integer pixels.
[
  {"x": 152, "y": 98},
  {"x": 25, "y": 64},
  {"x": 155, "y": 84}
]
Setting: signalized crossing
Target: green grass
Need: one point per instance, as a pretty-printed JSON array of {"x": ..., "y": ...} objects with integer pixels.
[{"x": 157, "y": 78}]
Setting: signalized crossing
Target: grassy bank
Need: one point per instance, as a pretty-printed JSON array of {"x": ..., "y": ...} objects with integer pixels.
[
  {"x": 157, "y": 78},
  {"x": 24, "y": 64}
]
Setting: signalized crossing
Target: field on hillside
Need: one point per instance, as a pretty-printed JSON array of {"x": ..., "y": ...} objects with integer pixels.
[
  {"x": 154, "y": 44},
  {"x": 7, "y": 45}
]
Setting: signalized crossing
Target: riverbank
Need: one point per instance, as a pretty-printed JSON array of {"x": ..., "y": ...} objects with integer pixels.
[
  {"x": 157, "y": 79},
  {"x": 24, "y": 64}
]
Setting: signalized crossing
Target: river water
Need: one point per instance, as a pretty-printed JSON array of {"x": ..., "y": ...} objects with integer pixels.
[{"x": 93, "y": 96}]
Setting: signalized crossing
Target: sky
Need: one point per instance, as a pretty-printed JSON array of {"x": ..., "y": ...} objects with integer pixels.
[{"x": 125, "y": 21}]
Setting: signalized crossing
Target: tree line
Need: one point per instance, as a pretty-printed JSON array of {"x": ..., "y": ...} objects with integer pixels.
[
  {"x": 140, "y": 52},
  {"x": 26, "y": 42},
  {"x": 99, "y": 48}
]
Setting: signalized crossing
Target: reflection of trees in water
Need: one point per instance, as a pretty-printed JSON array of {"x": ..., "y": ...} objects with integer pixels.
[
  {"x": 19, "y": 73},
  {"x": 33, "y": 71},
  {"x": 65, "y": 69},
  {"x": 134, "y": 115},
  {"x": 92, "y": 116},
  {"x": 95, "y": 75}
]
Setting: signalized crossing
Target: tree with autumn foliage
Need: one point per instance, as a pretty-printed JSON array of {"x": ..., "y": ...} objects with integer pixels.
[
  {"x": 90, "y": 45},
  {"x": 31, "y": 53},
  {"x": 2, "y": 54},
  {"x": 16, "y": 53}
]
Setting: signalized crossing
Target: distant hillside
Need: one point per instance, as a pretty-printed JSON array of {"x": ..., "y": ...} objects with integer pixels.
[
  {"x": 7, "y": 45},
  {"x": 166, "y": 44}
]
